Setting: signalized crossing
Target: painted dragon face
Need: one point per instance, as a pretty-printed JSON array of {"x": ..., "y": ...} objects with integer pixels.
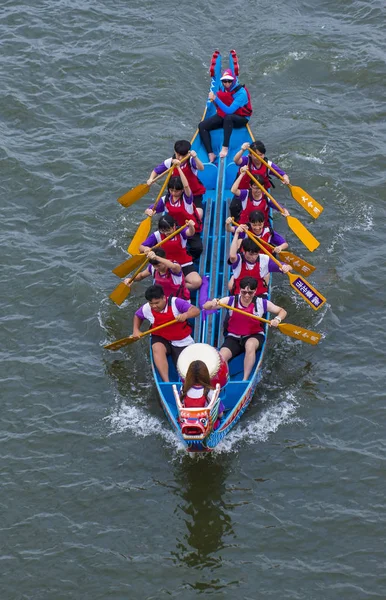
[{"x": 195, "y": 424}]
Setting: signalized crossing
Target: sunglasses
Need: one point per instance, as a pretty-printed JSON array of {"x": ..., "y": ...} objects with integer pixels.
[
  {"x": 246, "y": 293},
  {"x": 227, "y": 80}
]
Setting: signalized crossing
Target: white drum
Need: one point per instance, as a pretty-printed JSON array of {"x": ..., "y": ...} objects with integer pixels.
[{"x": 217, "y": 367}]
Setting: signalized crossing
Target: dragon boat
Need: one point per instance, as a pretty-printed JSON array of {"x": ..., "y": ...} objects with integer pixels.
[{"x": 200, "y": 429}]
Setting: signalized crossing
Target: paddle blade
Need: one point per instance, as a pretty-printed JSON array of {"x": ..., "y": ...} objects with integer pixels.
[
  {"x": 306, "y": 201},
  {"x": 140, "y": 236},
  {"x": 120, "y": 293},
  {"x": 128, "y": 265},
  {"x": 305, "y": 335},
  {"x": 305, "y": 236},
  {"x": 121, "y": 343},
  {"x": 307, "y": 291},
  {"x": 298, "y": 264},
  {"x": 133, "y": 195}
]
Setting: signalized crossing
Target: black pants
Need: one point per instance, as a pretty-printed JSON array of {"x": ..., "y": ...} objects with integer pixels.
[
  {"x": 194, "y": 245},
  {"x": 217, "y": 122}
]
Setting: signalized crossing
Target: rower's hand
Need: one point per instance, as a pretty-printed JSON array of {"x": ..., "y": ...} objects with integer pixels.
[
  {"x": 242, "y": 229},
  {"x": 211, "y": 96},
  {"x": 135, "y": 335},
  {"x": 244, "y": 169},
  {"x": 286, "y": 179},
  {"x": 127, "y": 281},
  {"x": 146, "y": 250},
  {"x": 149, "y": 212},
  {"x": 193, "y": 153},
  {"x": 245, "y": 146},
  {"x": 285, "y": 268},
  {"x": 285, "y": 213},
  {"x": 150, "y": 181},
  {"x": 191, "y": 223},
  {"x": 182, "y": 317},
  {"x": 277, "y": 249},
  {"x": 152, "y": 255},
  {"x": 176, "y": 162},
  {"x": 275, "y": 322}
]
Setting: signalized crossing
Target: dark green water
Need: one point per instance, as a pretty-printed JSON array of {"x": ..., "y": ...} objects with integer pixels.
[{"x": 98, "y": 501}]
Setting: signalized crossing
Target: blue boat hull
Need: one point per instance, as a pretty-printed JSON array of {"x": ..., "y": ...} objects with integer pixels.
[{"x": 218, "y": 179}]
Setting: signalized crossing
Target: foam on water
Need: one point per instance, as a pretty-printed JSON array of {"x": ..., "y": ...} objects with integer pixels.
[
  {"x": 260, "y": 428},
  {"x": 138, "y": 421}
]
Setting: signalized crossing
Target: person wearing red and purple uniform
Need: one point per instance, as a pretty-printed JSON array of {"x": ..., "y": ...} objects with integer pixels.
[
  {"x": 252, "y": 199},
  {"x": 256, "y": 225},
  {"x": 178, "y": 202},
  {"x": 255, "y": 166},
  {"x": 175, "y": 248},
  {"x": 170, "y": 340},
  {"x": 244, "y": 334},
  {"x": 234, "y": 108},
  {"x": 165, "y": 273},
  {"x": 190, "y": 169},
  {"x": 251, "y": 263}
]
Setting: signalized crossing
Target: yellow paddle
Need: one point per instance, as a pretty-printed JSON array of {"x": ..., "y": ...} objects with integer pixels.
[
  {"x": 298, "y": 264},
  {"x": 140, "y": 190},
  {"x": 305, "y": 200},
  {"x": 300, "y": 285},
  {"x": 144, "y": 227},
  {"x": 118, "y": 344},
  {"x": 305, "y": 236},
  {"x": 122, "y": 290},
  {"x": 299, "y": 333},
  {"x": 120, "y": 293}
]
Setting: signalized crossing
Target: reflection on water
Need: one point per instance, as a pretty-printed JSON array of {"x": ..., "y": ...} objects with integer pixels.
[{"x": 201, "y": 490}]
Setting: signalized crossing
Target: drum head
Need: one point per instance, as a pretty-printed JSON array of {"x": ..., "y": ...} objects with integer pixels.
[{"x": 209, "y": 355}]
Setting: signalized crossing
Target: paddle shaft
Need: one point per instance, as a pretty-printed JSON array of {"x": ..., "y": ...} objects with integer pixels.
[
  {"x": 302, "y": 267},
  {"x": 169, "y": 237},
  {"x": 297, "y": 227},
  {"x": 262, "y": 188},
  {"x": 305, "y": 200},
  {"x": 123, "y": 271},
  {"x": 266, "y": 164},
  {"x": 299, "y": 333},
  {"x": 258, "y": 242},
  {"x": 242, "y": 312},
  {"x": 130, "y": 340}
]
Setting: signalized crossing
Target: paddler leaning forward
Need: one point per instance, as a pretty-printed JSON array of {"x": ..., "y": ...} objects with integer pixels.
[
  {"x": 242, "y": 333},
  {"x": 170, "y": 340}
]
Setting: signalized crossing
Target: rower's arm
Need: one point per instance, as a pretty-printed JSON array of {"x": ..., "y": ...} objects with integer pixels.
[
  {"x": 238, "y": 156},
  {"x": 174, "y": 267},
  {"x": 142, "y": 275},
  {"x": 235, "y": 187},
  {"x": 280, "y": 313},
  {"x": 185, "y": 182},
  {"x": 199, "y": 164},
  {"x": 233, "y": 250},
  {"x": 137, "y": 322}
]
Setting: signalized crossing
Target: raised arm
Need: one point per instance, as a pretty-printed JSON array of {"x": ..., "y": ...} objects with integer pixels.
[
  {"x": 199, "y": 165},
  {"x": 234, "y": 249},
  {"x": 238, "y": 156},
  {"x": 184, "y": 180},
  {"x": 235, "y": 187}
]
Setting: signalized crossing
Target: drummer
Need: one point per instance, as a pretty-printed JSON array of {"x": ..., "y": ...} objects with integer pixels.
[
  {"x": 171, "y": 340},
  {"x": 242, "y": 333}
]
